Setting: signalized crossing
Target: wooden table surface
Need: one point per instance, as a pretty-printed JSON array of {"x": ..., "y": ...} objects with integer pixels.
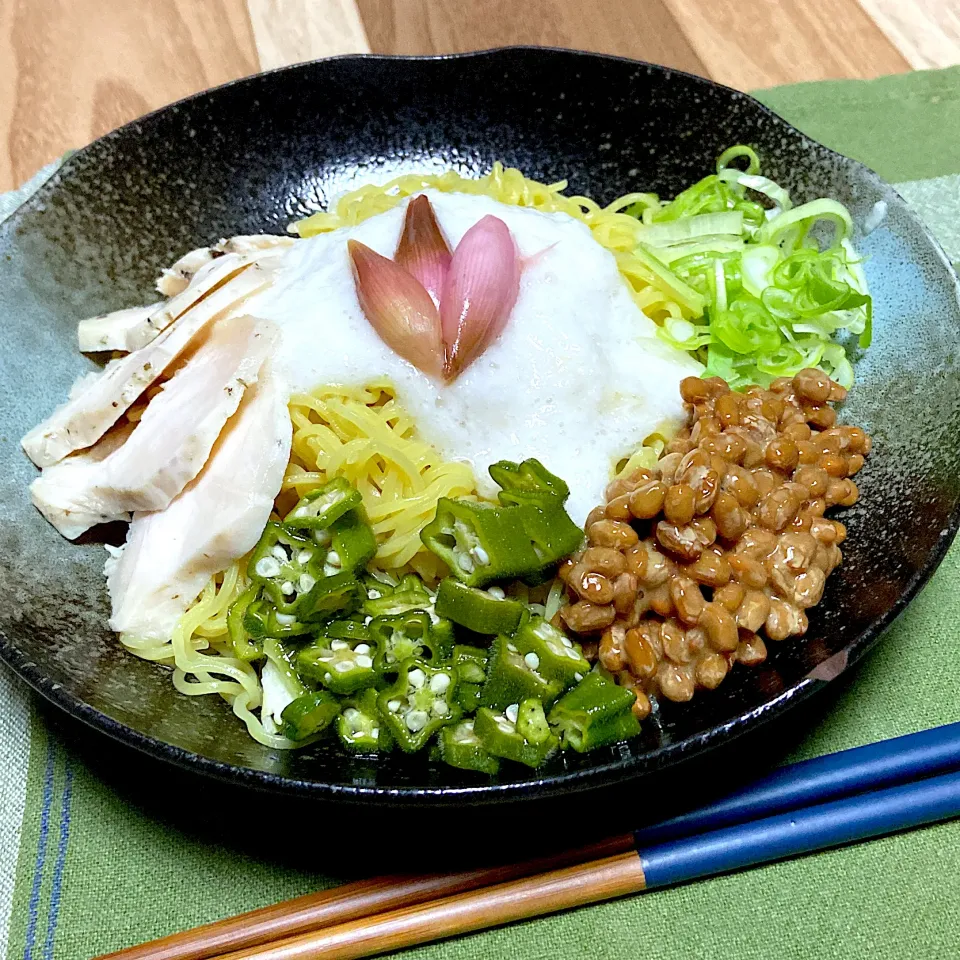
[{"x": 72, "y": 69}]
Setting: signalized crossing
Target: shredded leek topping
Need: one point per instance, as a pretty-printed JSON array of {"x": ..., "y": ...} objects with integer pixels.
[
  {"x": 777, "y": 297},
  {"x": 729, "y": 269}
]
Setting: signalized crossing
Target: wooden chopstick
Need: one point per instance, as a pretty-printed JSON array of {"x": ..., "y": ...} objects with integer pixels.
[
  {"x": 876, "y": 765},
  {"x": 349, "y": 902},
  {"x": 801, "y": 831},
  {"x": 534, "y": 896}
]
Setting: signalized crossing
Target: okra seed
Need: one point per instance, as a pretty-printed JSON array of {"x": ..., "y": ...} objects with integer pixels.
[
  {"x": 342, "y": 666},
  {"x": 556, "y": 650},
  {"x": 351, "y": 714},
  {"x": 572, "y": 654},
  {"x": 480, "y": 555},
  {"x": 327, "y": 677},
  {"x": 416, "y": 678},
  {"x": 357, "y": 734},
  {"x": 392, "y": 705},
  {"x": 362, "y": 648},
  {"x": 578, "y": 677},
  {"x": 497, "y": 592},
  {"x": 512, "y": 712},
  {"x": 416, "y": 720},
  {"x": 280, "y": 554},
  {"x": 566, "y": 642},
  {"x": 285, "y": 619},
  {"x": 466, "y": 564},
  {"x": 375, "y": 733},
  {"x": 286, "y": 588},
  {"x": 304, "y": 556},
  {"x": 511, "y": 648},
  {"x": 439, "y": 683},
  {"x": 333, "y": 558},
  {"x": 267, "y": 567},
  {"x": 365, "y": 661},
  {"x": 367, "y": 621},
  {"x": 506, "y": 727},
  {"x": 306, "y": 582},
  {"x": 531, "y": 660},
  {"x": 339, "y": 645},
  {"x": 440, "y": 708}
]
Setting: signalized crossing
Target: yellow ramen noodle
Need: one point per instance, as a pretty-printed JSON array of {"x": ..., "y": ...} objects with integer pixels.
[{"x": 364, "y": 435}]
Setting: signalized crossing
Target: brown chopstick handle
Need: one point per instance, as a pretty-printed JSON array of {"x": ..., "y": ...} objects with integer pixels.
[
  {"x": 532, "y": 896},
  {"x": 291, "y": 917},
  {"x": 346, "y": 903}
]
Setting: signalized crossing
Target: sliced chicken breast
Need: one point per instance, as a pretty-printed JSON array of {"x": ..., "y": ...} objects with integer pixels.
[
  {"x": 131, "y": 329},
  {"x": 78, "y": 472},
  {"x": 208, "y": 279},
  {"x": 255, "y": 243},
  {"x": 112, "y": 330},
  {"x": 175, "y": 279},
  {"x": 87, "y": 416},
  {"x": 172, "y": 441},
  {"x": 87, "y": 380},
  {"x": 171, "y": 554}
]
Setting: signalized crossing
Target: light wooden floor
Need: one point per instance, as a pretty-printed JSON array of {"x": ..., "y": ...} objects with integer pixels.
[{"x": 73, "y": 69}]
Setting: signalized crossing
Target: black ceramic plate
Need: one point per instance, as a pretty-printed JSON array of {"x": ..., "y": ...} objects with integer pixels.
[{"x": 251, "y": 156}]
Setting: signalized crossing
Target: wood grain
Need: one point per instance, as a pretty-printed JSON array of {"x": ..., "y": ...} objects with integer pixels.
[
  {"x": 926, "y": 32},
  {"x": 769, "y": 42},
  {"x": 70, "y": 71},
  {"x": 73, "y": 69},
  {"x": 492, "y": 906},
  {"x": 291, "y": 31},
  {"x": 350, "y": 902},
  {"x": 8, "y": 86},
  {"x": 631, "y": 28}
]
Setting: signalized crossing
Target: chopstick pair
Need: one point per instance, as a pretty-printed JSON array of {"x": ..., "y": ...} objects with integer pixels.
[{"x": 839, "y": 798}]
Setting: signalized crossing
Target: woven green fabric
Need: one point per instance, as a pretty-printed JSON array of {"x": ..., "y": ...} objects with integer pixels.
[
  {"x": 938, "y": 202},
  {"x": 94, "y": 875},
  {"x": 906, "y": 127}
]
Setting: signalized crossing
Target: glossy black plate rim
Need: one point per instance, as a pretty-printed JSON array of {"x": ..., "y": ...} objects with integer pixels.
[{"x": 567, "y": 782}]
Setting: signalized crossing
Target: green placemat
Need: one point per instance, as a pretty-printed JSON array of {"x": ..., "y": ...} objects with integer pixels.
[
  {"x": 907, "y": 127},
  {"x": 83, "y": 873}
]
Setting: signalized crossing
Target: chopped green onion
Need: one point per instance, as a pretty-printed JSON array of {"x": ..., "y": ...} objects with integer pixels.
[
  {"x": 703, "y": 246},
  {"x": 761, "y": 292},
  {"x": 778, "y": 229},
  {"x": 554, "y": 600},
  {"x": 688, "y": 299},
  {"x": 768, "y": 188},
  {"x": 690, "y": 228},
  {"x": 719, "y": 286},
  {"x": 756, "y": 268},
  {"x": 735, "y": 153}
]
